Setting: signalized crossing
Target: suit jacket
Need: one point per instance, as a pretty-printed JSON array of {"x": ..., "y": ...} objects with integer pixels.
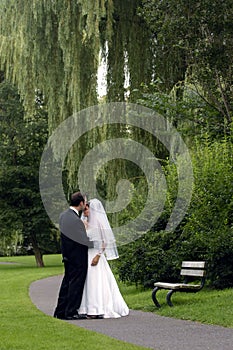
[{"x": 74, "y": 240}]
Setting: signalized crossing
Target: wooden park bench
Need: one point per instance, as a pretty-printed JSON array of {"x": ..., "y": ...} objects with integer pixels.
[{"x": 190, "y": 269}]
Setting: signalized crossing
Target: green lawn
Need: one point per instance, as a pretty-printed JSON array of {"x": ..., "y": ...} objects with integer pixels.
[
  {"x": 207, "y": 306},
  {"x": 23, "y": 327}
]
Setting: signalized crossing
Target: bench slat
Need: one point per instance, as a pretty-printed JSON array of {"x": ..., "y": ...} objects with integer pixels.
[
  {"x": 190, "y": 272},
  {"x": 194, "y": 264},
  {"x": 176, "y": 286},
  {"x": 190, "y": 286},
  {"x": 167, "y": 285}
]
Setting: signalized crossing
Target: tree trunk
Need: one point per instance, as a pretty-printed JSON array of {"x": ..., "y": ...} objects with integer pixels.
[{"x": 37, "y": 252}]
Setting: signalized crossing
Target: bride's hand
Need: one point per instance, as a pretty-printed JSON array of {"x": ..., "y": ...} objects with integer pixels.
[{"x": 95, "y": 260}]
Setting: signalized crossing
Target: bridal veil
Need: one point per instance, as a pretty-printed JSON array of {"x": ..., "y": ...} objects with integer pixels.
[{"x": 99, "y": 229}]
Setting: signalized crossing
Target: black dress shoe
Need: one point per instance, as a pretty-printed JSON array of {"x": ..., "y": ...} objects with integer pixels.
[
  {"x": 100, "y": 317},
  {"x": 60, "y": 316},
  {"x": 76, "y": 317},
  {"x": 95, "y": 317}
]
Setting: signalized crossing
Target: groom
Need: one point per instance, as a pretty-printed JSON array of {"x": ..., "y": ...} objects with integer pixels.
[{"x": 74, "y": 247}]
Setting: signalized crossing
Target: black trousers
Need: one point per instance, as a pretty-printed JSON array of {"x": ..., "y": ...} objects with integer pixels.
[{"x": 71, "y": 290}]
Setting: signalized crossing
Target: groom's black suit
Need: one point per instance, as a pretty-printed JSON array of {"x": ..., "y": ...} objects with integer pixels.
[{"x": 74, "y": 246}]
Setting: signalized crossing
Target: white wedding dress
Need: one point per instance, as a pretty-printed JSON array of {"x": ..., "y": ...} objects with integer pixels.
[{"x": 101, "y": 295}]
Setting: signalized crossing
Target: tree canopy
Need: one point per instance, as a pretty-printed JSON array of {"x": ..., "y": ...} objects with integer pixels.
[
  {"x": 23, "y": 218},
  {"x": 173, "y": 56},
  {"x": 194, "y": 44},
  {"x": 54, "y": 46}
]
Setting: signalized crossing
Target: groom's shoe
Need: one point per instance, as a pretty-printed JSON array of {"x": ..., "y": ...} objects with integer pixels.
[
  {"x": 100, "y": 317},
  {"x": 60, "y": 316},
  {"x": 95, "y": 317},
  {"x": 76, "y": 317}
]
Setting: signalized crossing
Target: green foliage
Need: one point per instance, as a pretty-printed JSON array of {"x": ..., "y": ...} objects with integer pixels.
[
  {"x": 208, "y": 230},
  {"x": 55, "y": 47},
  {"x": 205, "y": 233},
  {"x": 21, "y": 145},
  {"x": 192, "y": 115},
  {"x": 185, "y": 48},
  {"x": 193, "y": 40},
  {"x": 149, "y": 258}
]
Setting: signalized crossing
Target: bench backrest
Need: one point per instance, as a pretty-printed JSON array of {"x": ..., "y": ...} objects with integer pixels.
[{"x": 193, "y": 268}]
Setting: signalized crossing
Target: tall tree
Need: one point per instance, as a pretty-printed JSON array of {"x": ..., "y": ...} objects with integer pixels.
[
  {"x": 193, "y": 43},
  {"x": 21, "y": 145},
  {"x": 54, "y": 46}
]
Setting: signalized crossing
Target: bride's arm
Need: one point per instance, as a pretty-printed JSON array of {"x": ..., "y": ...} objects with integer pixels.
[{"x": 95, "y": 260}]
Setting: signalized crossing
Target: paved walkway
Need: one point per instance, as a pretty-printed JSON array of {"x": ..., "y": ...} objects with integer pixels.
[
  {"x": 141, "y": 328},
  {"x": 9, "y": 263}
]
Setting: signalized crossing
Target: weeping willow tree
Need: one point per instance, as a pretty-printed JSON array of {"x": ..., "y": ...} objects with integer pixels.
[{"x": 53, "y": 47}]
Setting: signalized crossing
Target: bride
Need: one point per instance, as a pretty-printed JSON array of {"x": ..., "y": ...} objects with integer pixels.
[{"x": 101, "y": 295}]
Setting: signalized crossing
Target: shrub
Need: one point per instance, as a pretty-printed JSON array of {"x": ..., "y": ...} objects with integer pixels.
[{"x": 205, "y": 232}]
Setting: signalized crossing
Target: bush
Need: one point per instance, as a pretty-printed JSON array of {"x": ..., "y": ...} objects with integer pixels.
[
  {"x": 149, "y": 258},
  {"x": 205, "y": 232}
]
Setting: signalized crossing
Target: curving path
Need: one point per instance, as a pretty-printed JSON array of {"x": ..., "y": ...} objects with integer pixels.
[{"x": 141, "y": 328}]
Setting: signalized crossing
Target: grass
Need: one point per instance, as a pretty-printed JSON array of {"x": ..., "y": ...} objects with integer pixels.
[
  {"x": 23, "y": 327},
  {"x": 208, "y": 306}
]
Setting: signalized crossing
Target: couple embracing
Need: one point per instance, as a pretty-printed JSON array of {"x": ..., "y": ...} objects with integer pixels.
[{"x": 88, "y": 289}]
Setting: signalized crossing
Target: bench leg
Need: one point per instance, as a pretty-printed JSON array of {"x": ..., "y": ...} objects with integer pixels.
[
  {"x": 154, "y": 296},
  {"x": 169, "y": 294}
]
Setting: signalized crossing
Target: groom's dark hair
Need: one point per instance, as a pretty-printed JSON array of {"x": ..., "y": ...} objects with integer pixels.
[{"x": 76, "y": 198}]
